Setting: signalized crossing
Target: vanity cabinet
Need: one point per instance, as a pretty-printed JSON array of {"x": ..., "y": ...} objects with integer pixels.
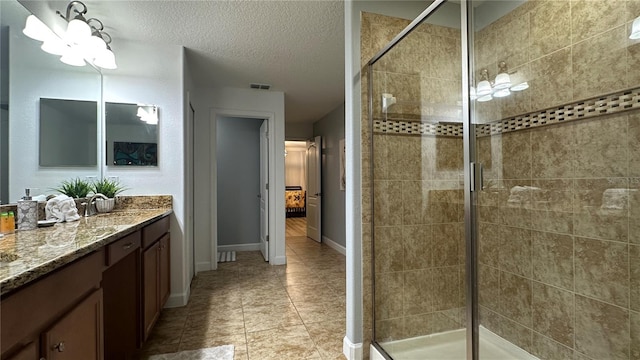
[
  {"x": 58, "y": 316},
  {"x": 155, "y": 273},
  {"x": 121, "y": 285}
]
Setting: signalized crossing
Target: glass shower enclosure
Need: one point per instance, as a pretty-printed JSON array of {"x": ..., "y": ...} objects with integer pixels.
[{"x": 505, "y": 168}]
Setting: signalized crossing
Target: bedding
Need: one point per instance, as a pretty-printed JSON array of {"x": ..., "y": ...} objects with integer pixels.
[{"x": 295, "y": 201}]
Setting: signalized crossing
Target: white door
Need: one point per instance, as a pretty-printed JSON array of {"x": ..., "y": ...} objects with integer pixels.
[
  {"x": 264, "y": 190},
  {"x": 314, "y": 188}
]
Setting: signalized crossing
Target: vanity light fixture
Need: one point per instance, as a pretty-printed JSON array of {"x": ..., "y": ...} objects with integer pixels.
[
  {"x": 83, "y": 40},
  {"x": 635, "y": 29},
  {"x": 501, "y": 86}
]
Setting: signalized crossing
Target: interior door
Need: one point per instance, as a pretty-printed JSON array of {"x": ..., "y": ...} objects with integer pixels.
[
  {"x": 264, "y": 190},
  {"x": 314, "y": 189}
]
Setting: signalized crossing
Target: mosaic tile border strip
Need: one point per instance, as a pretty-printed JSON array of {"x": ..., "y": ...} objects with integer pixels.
[
  {"x": 408, "y": 127},
  {"x": 604, "y": 105}
]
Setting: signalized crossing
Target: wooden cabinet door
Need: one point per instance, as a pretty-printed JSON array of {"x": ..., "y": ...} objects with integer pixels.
[
  {"x": 165, "y": 270},
  {"x": 29, "y": 352},
  {"x": 120, "y": 284},
  {"x": 78, "y": 335},
  {"x": 150, "y": 289}
]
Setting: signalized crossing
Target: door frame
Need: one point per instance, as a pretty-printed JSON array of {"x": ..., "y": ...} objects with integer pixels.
[{"x": 271, "y": 210}]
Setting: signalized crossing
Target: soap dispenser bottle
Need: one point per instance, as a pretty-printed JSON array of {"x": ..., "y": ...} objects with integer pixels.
[{"x": 27, "y": 212}]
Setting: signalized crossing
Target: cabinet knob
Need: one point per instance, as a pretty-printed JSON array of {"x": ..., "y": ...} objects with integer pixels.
[{"x": 59, "y": 346}]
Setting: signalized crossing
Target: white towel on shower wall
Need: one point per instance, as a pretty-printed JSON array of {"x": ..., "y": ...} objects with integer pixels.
[{"x": 61, "y": 208}]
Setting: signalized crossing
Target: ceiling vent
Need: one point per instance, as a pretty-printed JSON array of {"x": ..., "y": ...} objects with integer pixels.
[{"x": 260, "y": 86}]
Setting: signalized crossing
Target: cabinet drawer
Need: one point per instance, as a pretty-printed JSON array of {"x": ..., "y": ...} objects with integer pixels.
[
  {"x": 122, "y": 248},
  {"x": 152, "y": 232}
]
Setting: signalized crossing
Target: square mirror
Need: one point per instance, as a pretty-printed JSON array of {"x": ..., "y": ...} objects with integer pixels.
[{"x": 132, "y": 134}]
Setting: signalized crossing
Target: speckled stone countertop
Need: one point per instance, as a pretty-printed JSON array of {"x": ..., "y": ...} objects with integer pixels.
[{"x": 27, "y": 255}]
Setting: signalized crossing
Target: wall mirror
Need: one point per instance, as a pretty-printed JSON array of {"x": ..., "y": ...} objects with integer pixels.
[
  {"x": 132, "y": 134},
  {"x": 76, "y": 121},
  {"x": 27, "y": 75}
]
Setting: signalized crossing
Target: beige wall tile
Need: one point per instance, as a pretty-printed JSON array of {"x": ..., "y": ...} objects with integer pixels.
[
  {"x": 634, "y": 281},
  {"x": 388, "y": 249},
  {"x": 551, "y": 80},
  {"x": 634, "y": 143},
  {"x": 405, "y": 157},
  {"x": 515, "y": 251},
  {"x": 381, "y": 161},
  {"x": 489, "y": 287},
  {"x": 635, "y": 335},
  {"x": 516, "y": 333},
  {"x": 599, "y": 63},
  {"x": 553, "y": 152},
  {"x": 596, "y": 218},
  {"x": 445, "y": 57},
  {"x": 516, "y": 155},
  {"x": 601, "y": 147},
  {"x": 418, "y": 325},
  {"x": 390, "y": 329},
  {"x": 602, "y": 330},
  {"x": 633, "y": 57},
  {"x": 552, "y": 257},
  {"x": 602, "y": 270},
  {"x": 389, "y": 295},
  {"x": 550, "y": 27},
  {"x": 388, "y": 203},
  {"x": 490, "y": 238},
  {"x": 545, "y": 348},
  {"x": 449, "y": 158},
  {"x": 418, "y": 244},
  {"x": 415, "y": 203},
  {"x": 515, "y": 298},
  {"x": 515, "y": 209},
  {"x": 553, "y": 313},
  {"x": 419, "y": 291},
  {"x": 446, "y": 239},
  {"x": 445, "y": 288},
  {"x": 552, "y": 221},
  {"x": 512, "y": 43},
  {"x": 589, "y": 17}
]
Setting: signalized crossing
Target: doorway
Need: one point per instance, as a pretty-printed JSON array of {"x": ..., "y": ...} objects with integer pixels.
[{"x": 242, "y": 172}]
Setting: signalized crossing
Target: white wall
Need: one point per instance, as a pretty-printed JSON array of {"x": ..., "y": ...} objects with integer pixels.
[
  {"x": 135, "y": 82},
  {"x": 244, "y": 103},
  {"x": 295, "y": 164}
]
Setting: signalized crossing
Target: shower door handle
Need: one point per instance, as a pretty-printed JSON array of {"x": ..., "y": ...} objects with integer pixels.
[{"x": 476, "y": 174}]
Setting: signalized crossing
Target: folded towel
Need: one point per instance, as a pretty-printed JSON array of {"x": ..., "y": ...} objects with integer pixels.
[{"x": 61, "y": 208}]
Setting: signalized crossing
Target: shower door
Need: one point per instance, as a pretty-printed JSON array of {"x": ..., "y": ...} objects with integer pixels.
[
  {"x": 557, "y": 129},
  {"x": 418, "y": 183}
]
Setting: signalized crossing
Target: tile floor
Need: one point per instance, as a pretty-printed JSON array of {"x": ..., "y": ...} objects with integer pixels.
[{"x": 287, "y": 312}]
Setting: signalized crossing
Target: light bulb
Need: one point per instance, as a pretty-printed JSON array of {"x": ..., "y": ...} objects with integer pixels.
[
  {"x": 54, "y": 45},
  {"x": 520, "y": 87},
  {"x": 73, "y": 56},
  {"x": 106, "y": 59},
  {"x": 78, "y": 31},
  {"x": 485, "y": 98},
  {"x": 484, "y": 88},
  {"x": 502, "y": 93},
  {"x": 36, "y": 29},
  {"x": 93, "y": 46},
  {"x": 472, "y": 93},
  {"x": 503, "y": 81}
]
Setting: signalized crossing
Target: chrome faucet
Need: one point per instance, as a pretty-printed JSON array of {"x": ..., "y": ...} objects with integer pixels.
[{"x": 88, "y": 209}]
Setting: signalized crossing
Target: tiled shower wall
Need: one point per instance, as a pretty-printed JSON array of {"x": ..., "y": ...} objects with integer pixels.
[
  {"x": 560, "y": 213},
  {"x": 418, "y": 200}
]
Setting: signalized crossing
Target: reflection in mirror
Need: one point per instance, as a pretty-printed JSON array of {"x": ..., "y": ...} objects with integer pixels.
[
  {"x": 132, "y": 134},
  {"x": 76, "y": 121},
  {"x": 29, "y": 74}
]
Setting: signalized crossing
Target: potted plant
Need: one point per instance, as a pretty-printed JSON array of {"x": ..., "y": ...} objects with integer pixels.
[
  {"x": 109, "y": 188},
  {"x": 74, "y": 188}
]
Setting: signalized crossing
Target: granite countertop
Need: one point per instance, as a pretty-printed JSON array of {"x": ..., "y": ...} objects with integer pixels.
[{"x": 27, "y": 255}]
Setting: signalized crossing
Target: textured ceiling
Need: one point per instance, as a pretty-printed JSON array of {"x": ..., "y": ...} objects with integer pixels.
[{"x": 295, "y": 46}]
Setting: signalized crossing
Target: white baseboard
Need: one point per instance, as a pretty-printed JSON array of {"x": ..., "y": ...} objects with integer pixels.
[
  {"x": 350, "y": 350},
  {"x": 279, "y": 260},
  {"x": 239, "y": 247},
  {"x": 180, "y": 299},
  {"x": 203, "y": 266},
  {"x": 334, "y": 245}
]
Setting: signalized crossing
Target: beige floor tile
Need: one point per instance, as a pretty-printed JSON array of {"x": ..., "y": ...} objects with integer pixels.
[
  {"x": 293, "y": 311},
  {"x": 265, "y": 317},
  {"x": 328, "y": 337},
  {"x": 291, "y": 342}
]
